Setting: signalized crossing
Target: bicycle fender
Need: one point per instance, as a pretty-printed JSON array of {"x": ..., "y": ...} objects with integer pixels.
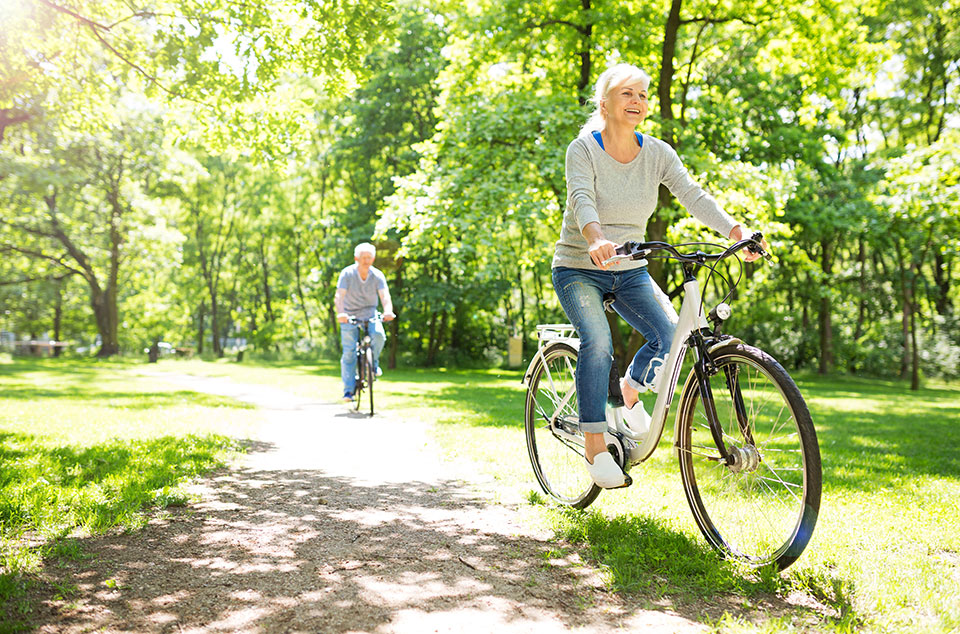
[{"x": 573, "y": 343}]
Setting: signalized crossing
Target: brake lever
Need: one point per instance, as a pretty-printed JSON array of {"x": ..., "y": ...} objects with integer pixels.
[
  {"x": 756, "y": 248},
  {"x": 624, "y": 253},
  {"x": 616, "y": 259}
]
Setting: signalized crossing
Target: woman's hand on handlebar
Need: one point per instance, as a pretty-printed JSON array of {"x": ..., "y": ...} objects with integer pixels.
[
  {"x": 602, "y": 250},
  {"x": 739, "y": 233},
  {"x": 343, "y": 318},
  {"x": 599, "y": 248}
]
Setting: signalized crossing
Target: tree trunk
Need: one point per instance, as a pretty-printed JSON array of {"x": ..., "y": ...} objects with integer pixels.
[
  {"x": 438, "y": 329},
  {"x": 915, "y": 351},
  {"x": 907, "y": 305},
  {"x": 665, "y": 85},
  {"x": 825, "y": 316},
  {"x": 523, "y": 301},
  {"x": 215, "y": 324},
  {"x": 106, "y": 318},
  {"x": 58, "y": 318},
  {"x": 431, "y": 335},
  {"x": 657, "y": 225},
  {"x": 297, "y": 274},
  {"x": 862, "y": 301},
  {"x": 201, "y": 318},
  {"x": 586, "y": 63},
  {"x": 103, "y": 301},
  {"x": 941, "y": 278},
  {"x": 395, "y": 324},
  {"x": 264, "y": 268}
]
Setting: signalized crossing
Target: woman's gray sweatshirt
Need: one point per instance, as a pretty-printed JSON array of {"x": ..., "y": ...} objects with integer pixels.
[{"x": 623, "y": 196}]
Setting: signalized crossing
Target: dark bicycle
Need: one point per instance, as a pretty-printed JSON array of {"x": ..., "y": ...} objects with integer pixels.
[{"x": 365, "y": 366}]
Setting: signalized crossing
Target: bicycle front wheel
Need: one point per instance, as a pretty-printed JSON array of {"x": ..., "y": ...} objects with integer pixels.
[
  {"x": 762, "y": 508},
  {"x": 361, "y": 379},
  {"x": 369, "y": 377},
  {"x": 551, "y": 423}
]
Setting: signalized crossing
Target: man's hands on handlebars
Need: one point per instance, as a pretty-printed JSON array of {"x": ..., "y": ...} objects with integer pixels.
[{"x": 344, "y": 318}]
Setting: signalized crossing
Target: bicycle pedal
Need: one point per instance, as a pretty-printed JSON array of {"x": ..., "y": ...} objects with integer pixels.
[{"x": 627, "y": 481}]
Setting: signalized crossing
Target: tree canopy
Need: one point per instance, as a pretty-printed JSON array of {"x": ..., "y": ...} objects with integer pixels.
[{"x": 200, "y": 171}]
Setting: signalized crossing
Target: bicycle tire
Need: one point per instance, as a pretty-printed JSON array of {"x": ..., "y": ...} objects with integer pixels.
[
  {"x": 368, "y": 354},
  {"x": 762, "y": 511},
  {"x": 361, "y": 376},
  {"x": 558, "y": 463}
]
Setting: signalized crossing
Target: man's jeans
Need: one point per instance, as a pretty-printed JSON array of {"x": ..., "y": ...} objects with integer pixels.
[
  {"x": 350, "y": 334},
  {"x": 581, "y": 295}
]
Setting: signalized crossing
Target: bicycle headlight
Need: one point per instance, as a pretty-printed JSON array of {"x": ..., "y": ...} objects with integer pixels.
[{"x": 721, "y": 313}]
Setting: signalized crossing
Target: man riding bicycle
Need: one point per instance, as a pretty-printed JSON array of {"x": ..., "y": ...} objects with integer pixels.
[{"x": 358, "y": 289}]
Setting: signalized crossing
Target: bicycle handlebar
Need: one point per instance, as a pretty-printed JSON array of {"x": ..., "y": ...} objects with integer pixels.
[
  {"x": 353, "y": 319},
  {"x": 632, "y": 250}
]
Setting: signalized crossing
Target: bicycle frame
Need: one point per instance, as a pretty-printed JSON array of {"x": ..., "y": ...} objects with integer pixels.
[{"x": 691, "y": 320}]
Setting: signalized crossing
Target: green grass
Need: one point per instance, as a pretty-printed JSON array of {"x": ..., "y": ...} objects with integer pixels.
[
  {"x": 87, "y": 447},
  {"x": 885, "y": 556}
]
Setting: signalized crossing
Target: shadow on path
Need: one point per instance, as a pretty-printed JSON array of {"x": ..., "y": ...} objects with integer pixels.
[
  {"x": 299, "y": 550},
  {"x": 335, "y": 524}
]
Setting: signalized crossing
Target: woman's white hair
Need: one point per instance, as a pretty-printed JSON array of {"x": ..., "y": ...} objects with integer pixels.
[{"x": 616, "y": 75}]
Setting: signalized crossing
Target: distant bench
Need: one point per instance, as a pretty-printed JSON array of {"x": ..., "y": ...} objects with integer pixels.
[{"x": 38, "y": 348}]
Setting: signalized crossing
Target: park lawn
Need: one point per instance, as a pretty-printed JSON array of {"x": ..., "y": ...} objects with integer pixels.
[
  {"x": 885, "y": 556},
  {"x": 87, "y": 447}
]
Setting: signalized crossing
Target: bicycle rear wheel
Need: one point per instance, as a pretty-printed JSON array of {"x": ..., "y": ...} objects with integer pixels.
[
  {"x": 369, "y": 377},
  {"x": 761, "y": 509},
  {"x": 551, "y": 423}
]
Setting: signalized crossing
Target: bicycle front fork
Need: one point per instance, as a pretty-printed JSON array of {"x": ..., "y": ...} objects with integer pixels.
[{"x": 704, "y": 369}]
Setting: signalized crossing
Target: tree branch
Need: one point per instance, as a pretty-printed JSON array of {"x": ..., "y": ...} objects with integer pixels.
[
  {"x": 46, "y": 278},
  {"x": 75, "y": 16},
  {"x": 9, "y": 248},
  {"x": 579, "y": 28},
  {"x": 707, "y": 20},
  {"x": 135, "y": 67}
]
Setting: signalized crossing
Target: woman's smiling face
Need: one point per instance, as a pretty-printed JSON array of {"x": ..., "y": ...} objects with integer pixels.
[{"x": 627, "y": 104}]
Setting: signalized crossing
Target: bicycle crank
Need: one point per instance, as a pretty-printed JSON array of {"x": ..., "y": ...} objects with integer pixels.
[{"x": 619, "y": 447}]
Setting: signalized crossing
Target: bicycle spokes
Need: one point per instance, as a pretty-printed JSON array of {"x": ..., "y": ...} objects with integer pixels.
[{"x": 759, "y": 502}]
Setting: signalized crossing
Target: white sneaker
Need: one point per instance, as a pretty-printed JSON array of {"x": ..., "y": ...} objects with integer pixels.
[
  {"x": 636, "y": 417},
  {"x": 606, "y": 473}
]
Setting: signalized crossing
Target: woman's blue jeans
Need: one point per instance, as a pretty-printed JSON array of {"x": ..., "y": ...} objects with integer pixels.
[
  {"x": 581, "y": 295},
  {"x": 350, "y": 334}
]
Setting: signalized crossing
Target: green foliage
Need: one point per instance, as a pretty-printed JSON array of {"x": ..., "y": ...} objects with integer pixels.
[{"x": 250, "y": 146}]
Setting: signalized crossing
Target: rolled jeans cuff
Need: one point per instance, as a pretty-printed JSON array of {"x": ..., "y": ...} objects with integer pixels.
[
  {"x": 632, "y": 382},
  {"x": 593, "y": 428}
]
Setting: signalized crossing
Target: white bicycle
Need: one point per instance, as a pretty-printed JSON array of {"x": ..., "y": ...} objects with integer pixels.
[{"x": 748, "y": 452}]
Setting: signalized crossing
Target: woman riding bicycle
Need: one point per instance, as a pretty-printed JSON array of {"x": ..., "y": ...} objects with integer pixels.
[{"x": 613, "y": 175}]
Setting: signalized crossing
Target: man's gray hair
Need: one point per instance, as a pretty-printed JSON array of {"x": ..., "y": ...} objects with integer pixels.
[{"x": 365, "y": 247}]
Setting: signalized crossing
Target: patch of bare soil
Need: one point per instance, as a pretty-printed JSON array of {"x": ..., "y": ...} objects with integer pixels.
[{"x": 336, "y": 523}]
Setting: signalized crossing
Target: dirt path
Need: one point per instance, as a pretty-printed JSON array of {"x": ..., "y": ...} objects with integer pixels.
[{"x": 321, "y": 529}]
